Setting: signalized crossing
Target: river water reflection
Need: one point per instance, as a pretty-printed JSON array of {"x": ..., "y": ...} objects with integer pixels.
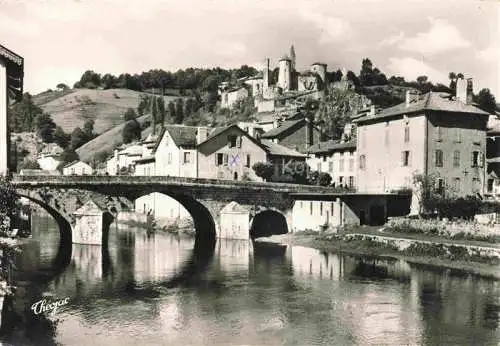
[{"x": 252, "y": 294}]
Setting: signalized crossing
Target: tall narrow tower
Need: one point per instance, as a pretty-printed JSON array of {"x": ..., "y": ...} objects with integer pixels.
[
  {"x": 265, "y": 77},
  {"x": 292, "y": 57},
  {"x": 285, "y": 73}
]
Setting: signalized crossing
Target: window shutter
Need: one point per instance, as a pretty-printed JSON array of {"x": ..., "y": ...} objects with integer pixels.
[
  {"x": 216, "y": 159},
  {"x": 238, "y": 141},
  {"x": 225, "y": 157},
  {"x": 481, "y": 159},
  {"x": 472, "y": 160},
  {"x": 402, "y": 158}
]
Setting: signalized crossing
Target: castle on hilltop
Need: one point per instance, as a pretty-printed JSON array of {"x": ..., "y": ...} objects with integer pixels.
[{"x": 270, "y": 91}]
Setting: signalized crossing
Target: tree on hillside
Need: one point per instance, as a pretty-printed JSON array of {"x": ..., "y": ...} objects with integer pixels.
[
  {"x": 336, "y": 109},
  {"x": 22, "y": 114},
  {"x": 171, "y": 110},
  {"x": 422, "y": 79},
  {"x": 78, "y": 138},
  {"x": 162, "y": 112},
  {"x": 108, "y": 81},
  {"x": 179, "y": 111},
  {"x": 89, "y": 79},
  {"x": 61, "y": 138},
  {"x": 154, "y": 113},
  {"x": 129, "y": 114},
  {"x": 45, "y": 127},
  {"x": 88, "y": 129},
  {"x": 486, "y": 101},
  {"x": 29, "y": 164},
  {"x": 131, "y": 131},
  {"x": 68, "y": 155},
  {"x": 62, "y": 86}
]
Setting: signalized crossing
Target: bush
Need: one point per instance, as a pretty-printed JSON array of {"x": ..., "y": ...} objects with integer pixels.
[{"x": 264, "y": 170}]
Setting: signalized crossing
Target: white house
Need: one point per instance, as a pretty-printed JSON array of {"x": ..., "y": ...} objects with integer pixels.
[
  {"x": 337, "y": 159},
  {"x": 77, "y": 168},
  {"x": 48, "y": 162},
  {"x": 230, "y": 97}
]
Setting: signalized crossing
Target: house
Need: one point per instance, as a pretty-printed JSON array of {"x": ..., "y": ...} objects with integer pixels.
[
  {"x": 254, "y": 129},
  {"x": 230, "y": 97},
  {"x": 432, "y": 134},
  {"x": 336, "y": 158},
  {"x": 229, "y": 153},
  {"x": 145, "y": 166},
  {"x": 77, "y": 168},
  {"x": 124, "y": 158},
  {"x": 48, "y": 162},
  {"x": 298, "y": 134}
]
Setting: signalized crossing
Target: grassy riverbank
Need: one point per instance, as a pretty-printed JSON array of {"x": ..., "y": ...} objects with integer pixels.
[{"x": 431, "y": 255}]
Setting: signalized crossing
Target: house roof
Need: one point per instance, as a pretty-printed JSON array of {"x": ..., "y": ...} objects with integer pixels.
[
  {"x": 275, "y": 149},
  {"x": 331, "y": 146},
  {"x": 185, "y": 136},
  {"x": 145, "y": 160},
  {"x": 432, "y": 101},
  {"x": 73, "y": 163},
  {"x": 282, "y": 128},
  {"x": 132, "y": 150}
]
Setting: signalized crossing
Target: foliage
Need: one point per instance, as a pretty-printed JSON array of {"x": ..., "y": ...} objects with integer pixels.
[
  {"x": 8, "y": 198},
  {"x": 486, "y": 101},
  {"x": 78, "y": 138},
  {"x": 62, "y": 86},
  {"x": 102, "y": 156},
  {"x": 298, "y": 171},
  {"x": 29, "y": 164},
  {"x": 130, "y": 114},
  {"x": 67, "y": 156},
  {"x": 336, "y": 109},
  {"x": 264, "y": 170},
  {"x": 426, "y": 193},
  {"x": 369, "y": 75},
  {"x": 88, "y": 128},
  {"x": 131, "y": 131},
  {"x": 324, "y": 179},
  {"x": 45, "y": 127},
  {"x": 61, "y": 138}
]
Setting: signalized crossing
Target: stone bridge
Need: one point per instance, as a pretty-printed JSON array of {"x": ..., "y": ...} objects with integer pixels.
[{"x": 202, "y": 198}]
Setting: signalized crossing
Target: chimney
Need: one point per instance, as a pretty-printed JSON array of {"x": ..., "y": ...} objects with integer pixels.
[
  {"x": 407, "y": 98},
  {"x": 461, "y": 90},
  {"x": 201, "y": 134},
  {"x": 470, "y": 91},
  {"x": 372, "y": 110},
  {"x": 309, "y": 132}
]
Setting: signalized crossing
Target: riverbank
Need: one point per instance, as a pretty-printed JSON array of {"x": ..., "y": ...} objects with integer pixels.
[{"x": 418, "y": 252}]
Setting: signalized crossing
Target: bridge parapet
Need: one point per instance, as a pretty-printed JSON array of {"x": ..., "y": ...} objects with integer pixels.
[{"x": 26, "y": 180}]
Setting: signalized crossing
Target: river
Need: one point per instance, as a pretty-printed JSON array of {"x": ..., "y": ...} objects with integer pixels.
[{"x": 145, "y": 290}]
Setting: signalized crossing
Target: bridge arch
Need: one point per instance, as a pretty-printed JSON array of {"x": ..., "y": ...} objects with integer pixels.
[
  {"x": 64, "y": 222},
  {"x": 267, "y": 222}
]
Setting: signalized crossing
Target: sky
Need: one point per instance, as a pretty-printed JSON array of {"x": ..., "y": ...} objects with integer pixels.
[{"x": 60, "y": 39}]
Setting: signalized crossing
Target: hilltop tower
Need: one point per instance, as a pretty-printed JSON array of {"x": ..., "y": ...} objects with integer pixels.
[
  {"x": 292, "y": 58},
  {"x": 265, "y": 77},
  {"x": 285, "y": 73}
]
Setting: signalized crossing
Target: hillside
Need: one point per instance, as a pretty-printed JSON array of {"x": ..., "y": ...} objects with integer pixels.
[
  {"x": 69, "y": 109},
  {"x": 109, "y": 140}
]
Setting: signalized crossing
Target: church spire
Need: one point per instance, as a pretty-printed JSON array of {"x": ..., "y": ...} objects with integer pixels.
[{"x": 292, "y": 57}]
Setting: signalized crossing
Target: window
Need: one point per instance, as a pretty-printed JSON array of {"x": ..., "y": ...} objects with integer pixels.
[
  {"x": 321, "y": 208},
  {"x": 341, "y": 180},
  {"x": 324, "y": 158},
  {"x": 331, "y": 208},
  {"x": 457, "y": 135},
  {"x": 439, "y": 158},
  {"x": 456, "y": 158},
  {"x": 231, "y": 140},
  {"x": 169, "y": 158},
  {"x": 330, "y": 167},
  {"x": 311, "y": 208},
  {"x": 341, "y": 165},
  {"x": 362, "y": 162},
  {"x": 456, "y": 184},
  {"x": 351, "y": 165},
  {"x": 221, "y": 159},
  {"x": 405, "y": 158},
  {"x": 351, "y": 182},
  {"x": 248, "y": 160},
  {"x": 187, "y": 157},
  {"x": 318, "y": 168},
  {"x": 477, "y": 159},
  {"x": 407, "y": 132},
  {"x": 490, "y": 185},
  {"x": 439, "y": 133}
]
